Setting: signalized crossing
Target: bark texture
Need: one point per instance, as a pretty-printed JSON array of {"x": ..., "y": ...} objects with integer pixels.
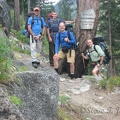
[
  {"x": 83, "y": 35},
  {"x": 16, "y": 15}
]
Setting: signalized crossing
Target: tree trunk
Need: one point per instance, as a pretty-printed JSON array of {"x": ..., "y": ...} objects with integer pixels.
[
  {"x": 83, "y": 34},
  {"x": 16, "y": 15},
  {"x": 28, "y": 6},
  {"x": 110, "y": 42}
]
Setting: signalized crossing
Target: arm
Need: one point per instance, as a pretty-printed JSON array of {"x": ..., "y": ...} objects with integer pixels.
[
  {"x": 29, "y": 26},
  {"x": 30, "y": 31},
  {"x": 101, "y": 60},
  {"x": 48, "y": 33},
  {"x": 44, "y": 28},
  {"x": 72, "y": 39},
  {"x": 57, "y": 43},
  {"x": 101, "y": 54},
  {"x": 85, "y": 57}
]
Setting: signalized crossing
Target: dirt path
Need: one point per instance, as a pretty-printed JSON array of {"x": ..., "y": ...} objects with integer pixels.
[{"x": 93, "y": 103}]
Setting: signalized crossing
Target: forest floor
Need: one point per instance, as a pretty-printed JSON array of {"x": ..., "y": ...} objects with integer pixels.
[{"x": 81, "y": 98}]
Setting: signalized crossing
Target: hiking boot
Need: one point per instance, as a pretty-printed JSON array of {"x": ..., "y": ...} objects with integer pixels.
[
  {"x": 34, "y": 64},
  {"x": 38, "y": 63},
  {"x": 72, "y": 76}
]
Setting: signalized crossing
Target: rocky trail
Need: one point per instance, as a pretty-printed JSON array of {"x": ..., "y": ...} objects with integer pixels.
[{"x": 89, "y": 101}]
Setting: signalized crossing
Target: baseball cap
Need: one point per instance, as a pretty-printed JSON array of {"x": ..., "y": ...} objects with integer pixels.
[{"x": 36, "y": 8}]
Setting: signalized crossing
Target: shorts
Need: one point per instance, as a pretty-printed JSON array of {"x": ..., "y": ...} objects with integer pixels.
[{"x": 70, "y": 58}]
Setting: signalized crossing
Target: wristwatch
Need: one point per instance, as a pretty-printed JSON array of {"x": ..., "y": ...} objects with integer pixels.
[{"x": 42, "y": 34}]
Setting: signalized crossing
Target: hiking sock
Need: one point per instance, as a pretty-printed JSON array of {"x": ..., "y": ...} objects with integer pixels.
[{"x": 72, "y": 76}]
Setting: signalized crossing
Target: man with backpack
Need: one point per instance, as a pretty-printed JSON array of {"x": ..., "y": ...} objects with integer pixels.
[
  {"x": 96, "y": 58},
  {"x": 36, "y": 28},
  {"x": 52, "y": 30},
  {"x": 66, "y": 43}
]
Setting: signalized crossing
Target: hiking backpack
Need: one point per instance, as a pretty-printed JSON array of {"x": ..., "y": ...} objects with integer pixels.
[
  {"x": 69, "y": 28},
  {"x": 49, "y": 17},
  {"x": 100, "y": 41},
  {"x": 26, "y": 23}
]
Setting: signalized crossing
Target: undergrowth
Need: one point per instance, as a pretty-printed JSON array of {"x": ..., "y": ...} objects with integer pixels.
[
  {"x": 110, "y": 83},
  {"x": 5, "y": 58},
  {"x": 66, "y": 110}
]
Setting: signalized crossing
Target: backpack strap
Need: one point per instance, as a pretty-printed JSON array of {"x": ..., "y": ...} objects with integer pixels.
[
  {"x": 59, "y": 37},
  {"x": 68, "y": 32},
  {"x": 41, "y": 19},
  {"x": 96, "y": 50}
]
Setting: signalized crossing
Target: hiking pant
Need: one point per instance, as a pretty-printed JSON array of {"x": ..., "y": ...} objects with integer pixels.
[
  {"x": 35, "y": 47},
  {"x": 52, "y": 48}
]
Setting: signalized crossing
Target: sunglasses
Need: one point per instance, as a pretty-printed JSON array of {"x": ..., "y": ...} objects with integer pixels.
[{"x": 36, "y": 10}]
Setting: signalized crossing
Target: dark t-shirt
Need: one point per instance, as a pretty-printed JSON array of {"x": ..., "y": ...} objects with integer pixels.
[{"x": 53, "y": 25}]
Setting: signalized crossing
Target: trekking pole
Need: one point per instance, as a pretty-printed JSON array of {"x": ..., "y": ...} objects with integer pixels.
[{"x": 83, "y": 62}]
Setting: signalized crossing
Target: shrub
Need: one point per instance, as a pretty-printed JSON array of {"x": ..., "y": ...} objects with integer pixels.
[
  {"x": 5, "y": 60},
  {"x": 111, "y": 83}
]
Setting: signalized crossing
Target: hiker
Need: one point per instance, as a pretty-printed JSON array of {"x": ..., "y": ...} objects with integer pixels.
[
  {"x": 36, "y": 31},
  {"x": 52, "y": 30},
  {"x": 96, "y": 58},
  {"x": 66, "y": 51}
]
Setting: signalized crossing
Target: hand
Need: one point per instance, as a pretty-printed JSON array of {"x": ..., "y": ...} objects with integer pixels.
[
  {"x": 82, "y": 54},
  {"x": 55, "y": 56},
  {"x": 35, "y": 37},
  {"x": 41, "y": 37},
  {"x": 50, "y": 39},
  {"x": 98, "y": 65},
  {"x": 66, "y": 39}
]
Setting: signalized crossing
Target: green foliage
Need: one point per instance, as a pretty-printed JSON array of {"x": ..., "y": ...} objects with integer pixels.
[
  {"x": 19, "y": 49},
  {"x": 62, "y": 114},
  {"x": 106, "y": 10},
  {"x": 65, "y": 9},
  {"x": 17, "y": 101},
  {"x": 114, "y": 16},
  {"x": 63, "y": 99},
  {"x": 23, "y": 68},
  {"x": 46, "y": 9},
  {"x": 22, "y": 38},
  {"x": 5, "y": 60},
  {"x": 45, "y": 46},
  {"x": 18, "y": 34},
  {"x": 111, "y": 83}
]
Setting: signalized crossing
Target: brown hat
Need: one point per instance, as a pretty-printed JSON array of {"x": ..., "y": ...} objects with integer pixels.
[{"x": 36, "y": 8}]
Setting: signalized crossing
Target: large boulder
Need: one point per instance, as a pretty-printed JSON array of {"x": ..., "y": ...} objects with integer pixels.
[
  {"x": 5, "y": 15},
  {"x": 39, "y": 94},
  {"x": 8, "y": 111}
]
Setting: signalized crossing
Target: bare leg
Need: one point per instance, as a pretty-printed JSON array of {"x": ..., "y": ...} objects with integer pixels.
[
  {"x": 56, "y": 62},
  {"x": 96, "y": 73},
  {"x": 72, "y": 68}
]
